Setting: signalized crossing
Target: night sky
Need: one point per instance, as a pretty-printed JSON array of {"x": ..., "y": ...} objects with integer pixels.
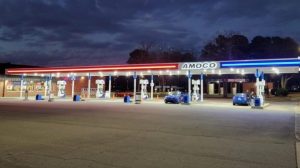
[{"x": 90, "y": 32}]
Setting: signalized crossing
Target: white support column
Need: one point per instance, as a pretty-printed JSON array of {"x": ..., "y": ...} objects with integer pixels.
[
  {"x": 89, "y": 85},
  {"x": 46, "y": 87},
  {"x": 189, "y": 83},
  {"x": 152, "y": 86},
  {"x": 73, "y": 85},
  {"x": 50, "y": 84},
  {"x": 201, "y": 87},
  {"x": 142, "y": 88},
  {"x": 262, "y": 88},
  {"x": 109, "y": 85},
  {"x": 22, "y": 83},
  {"x": 134, "y": 85}
]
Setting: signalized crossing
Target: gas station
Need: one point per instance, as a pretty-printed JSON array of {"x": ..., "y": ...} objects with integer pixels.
[{"x": 61, "y": 82}]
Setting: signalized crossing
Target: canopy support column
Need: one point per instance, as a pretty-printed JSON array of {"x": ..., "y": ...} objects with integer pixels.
[
  {"x": 89, "y": 86},
  {"x": 134, "y": 85},
  {"x": 22, "y": 83},
  {"x": 73, "y": 85},
  {"x": 201, "y": 87},
  {"x": 152, "y": 85},
  {"x": 109, "y": 86},
  {"x": 189, "y": 83}
]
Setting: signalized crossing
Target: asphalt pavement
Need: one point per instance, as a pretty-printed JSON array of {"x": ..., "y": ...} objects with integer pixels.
[{"x": 104, "y": 134}]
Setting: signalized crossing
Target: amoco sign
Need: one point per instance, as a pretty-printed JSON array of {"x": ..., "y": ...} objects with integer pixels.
[{"x": 198, "y": 65}]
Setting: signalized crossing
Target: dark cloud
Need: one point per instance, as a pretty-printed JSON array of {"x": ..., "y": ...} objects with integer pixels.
[{"x": 73, "y": 32}]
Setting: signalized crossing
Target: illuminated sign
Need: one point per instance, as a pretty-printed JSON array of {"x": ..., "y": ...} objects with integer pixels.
[
  {"x": 259, "y": 63},
  {"x": 198, "y": 65}
]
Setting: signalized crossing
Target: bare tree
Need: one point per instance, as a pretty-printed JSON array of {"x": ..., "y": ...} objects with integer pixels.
[
  {"x": 285, "y": 78},
  {"x": 146, "y": 45}
]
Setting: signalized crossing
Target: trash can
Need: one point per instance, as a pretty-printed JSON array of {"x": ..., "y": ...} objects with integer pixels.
[
  {"x": 76, "y": 98},
  {"x": 38, "y": 97},
  {"x": 138, "y": 98},
  {"x": 126, "y": 99},
  {"x": 186, "y": 99},
  {"x": 257, "y": 102}
]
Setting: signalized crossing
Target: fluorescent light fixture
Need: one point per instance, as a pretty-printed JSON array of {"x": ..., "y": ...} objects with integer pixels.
[{"x": 243, "y": 72}]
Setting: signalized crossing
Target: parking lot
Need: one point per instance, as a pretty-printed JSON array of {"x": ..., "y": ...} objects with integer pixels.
[{"x": 108, "y": 134}]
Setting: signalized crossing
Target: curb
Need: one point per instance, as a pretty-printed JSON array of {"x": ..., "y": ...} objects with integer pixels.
[
  {"x": 297, "y": 133},
  {"x": 261, "y": 107}
]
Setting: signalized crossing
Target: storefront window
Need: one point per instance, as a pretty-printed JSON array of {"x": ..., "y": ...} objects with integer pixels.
[{"x": 15, "y": 85}]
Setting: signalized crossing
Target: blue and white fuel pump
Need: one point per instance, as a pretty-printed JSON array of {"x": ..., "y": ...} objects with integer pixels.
[{"x": 260, "y": 86}]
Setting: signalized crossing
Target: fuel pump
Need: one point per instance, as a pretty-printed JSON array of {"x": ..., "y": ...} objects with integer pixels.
[
  {"x": 144, "y": 83},
  {"x": 195, "y": 95},
  {"x": 61, "y": 84},
  {"x": 100, "y": 88}
]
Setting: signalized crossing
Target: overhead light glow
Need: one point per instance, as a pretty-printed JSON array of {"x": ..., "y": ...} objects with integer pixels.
[
  {"x": 243, "y": 72},
  {"x": 100, "y": 68}
]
